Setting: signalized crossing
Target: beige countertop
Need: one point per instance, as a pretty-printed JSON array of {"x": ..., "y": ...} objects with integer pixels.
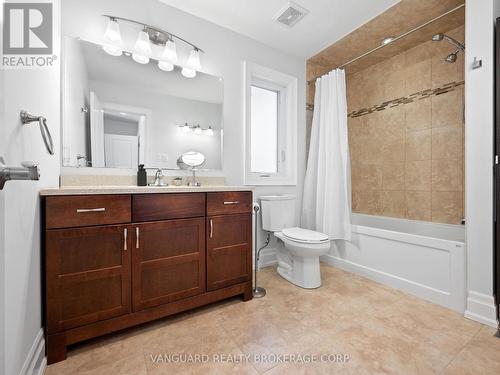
[{"x": 94, "y": 190}]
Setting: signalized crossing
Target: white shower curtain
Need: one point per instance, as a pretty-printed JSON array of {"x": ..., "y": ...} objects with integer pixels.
[{"x": 326, "y": 206}]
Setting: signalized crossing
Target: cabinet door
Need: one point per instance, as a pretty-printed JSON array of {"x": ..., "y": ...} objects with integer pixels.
[
  {"x": 87, "y": 275},
  {"x": 229, "y": 250},
  {"x": 168, "y": 261}
]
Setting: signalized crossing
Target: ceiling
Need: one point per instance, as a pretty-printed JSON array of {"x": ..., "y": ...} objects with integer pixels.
[{"x": 327, "y": 21}]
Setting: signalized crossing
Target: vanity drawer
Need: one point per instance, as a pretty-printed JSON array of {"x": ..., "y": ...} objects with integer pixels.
[
  {"x": 81, "y": 211},
  {"x": 152, "y": 207},
  {"x": 229, "y": 202}
]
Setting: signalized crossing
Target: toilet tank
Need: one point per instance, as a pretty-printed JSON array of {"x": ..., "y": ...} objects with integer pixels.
[{"x": 278, "y": 212}]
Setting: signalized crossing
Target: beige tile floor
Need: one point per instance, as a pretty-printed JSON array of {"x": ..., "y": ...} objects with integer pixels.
[{"x": 381, "y": 330}]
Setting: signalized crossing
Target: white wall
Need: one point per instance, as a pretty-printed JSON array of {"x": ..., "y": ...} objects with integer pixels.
[
  {"x": 37, "y": 91},
  {"x": 76, "y": 93},
  {"x": 479, "y": 126},
  {"x": 225, "y": 52},
  {"x": 163, "y": 135}
]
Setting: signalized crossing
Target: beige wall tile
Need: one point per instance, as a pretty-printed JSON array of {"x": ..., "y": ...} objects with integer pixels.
[
  {"x": 447, "y": 143},
  {"x": 393, "y": 175},
  {"x": 367, "y": 202},
  {"x": 418, "y": 114},
  {"x": 447, "y": 207},
  {"x": 418, "y": 175},
  {"x": 447, "y": 109},
  {"x": 447, "y": 175},
  {"x": 417, "y": 76},
  {"x": 418, "y": 145},
  {"x": 391, "y": 150},
  {"x": 418, "y": 205},
  {"x": 444, "y": 72},
  {"x": 393, "y": 204},
  {"x": 366, "y": 176}
]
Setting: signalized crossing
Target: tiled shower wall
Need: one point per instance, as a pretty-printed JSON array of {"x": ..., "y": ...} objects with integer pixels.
[{"x": 408, "y": 158}]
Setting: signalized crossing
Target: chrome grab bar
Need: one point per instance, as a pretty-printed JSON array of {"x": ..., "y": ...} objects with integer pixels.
[
  {"x": 231, "y": 202},
  {"x": 29, "y": 171},
  {"x": 27, "y": 118},
  {"x": 84, "y": 210}
]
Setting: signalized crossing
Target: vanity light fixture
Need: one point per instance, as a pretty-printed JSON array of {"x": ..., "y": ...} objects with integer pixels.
[
  {"x": 113, "y": 38},
  {"x": 193, "y": 64},
  {"x": 143, "y": 51},
  {"x": 142, "y": 48}
]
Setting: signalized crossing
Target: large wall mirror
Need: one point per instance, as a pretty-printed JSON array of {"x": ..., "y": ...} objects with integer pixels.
[{"x": 119, "y": 114}]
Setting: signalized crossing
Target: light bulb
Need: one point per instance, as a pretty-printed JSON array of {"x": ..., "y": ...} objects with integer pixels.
[
  {"x": 170, "y": 52},
  {"x": 209, "y": 131},
  {"x": 142, "y": 48},
  {"x": 197, "y": 130},
  {"x": 188, "y": 73},
  {"x": 112, "y": 38},
  {"x": 166, "y": 66},
  {"x": 112, "y": 33},
  {"x": 194, "y": 60}
]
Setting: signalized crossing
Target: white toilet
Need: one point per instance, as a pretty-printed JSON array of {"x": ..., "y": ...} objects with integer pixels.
[{"x": 299, "y": 263}]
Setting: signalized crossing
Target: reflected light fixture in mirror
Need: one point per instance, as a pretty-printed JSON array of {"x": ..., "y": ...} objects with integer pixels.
[
  {"x": 113, "y": 38},
  {"x": 209, "y": 131},
  {"x": 142, "y": 48}
]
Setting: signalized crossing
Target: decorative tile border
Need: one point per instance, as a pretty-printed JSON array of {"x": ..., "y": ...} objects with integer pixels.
[
  {"x": 407, "y": 99},
  {"x": 403, "y": 100}
]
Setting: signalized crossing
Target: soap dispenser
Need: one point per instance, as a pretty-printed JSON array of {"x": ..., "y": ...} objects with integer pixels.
[{"x": 142, "y": 177}]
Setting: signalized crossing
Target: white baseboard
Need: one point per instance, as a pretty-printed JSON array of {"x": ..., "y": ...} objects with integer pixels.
[
  {"x": 267, "y": 257},
  {"x": 481, "y": 308},
  {"x": 35, "y": 362}
]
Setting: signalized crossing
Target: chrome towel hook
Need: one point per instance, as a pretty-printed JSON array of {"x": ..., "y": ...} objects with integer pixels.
[{"x": 27, "y": 118}]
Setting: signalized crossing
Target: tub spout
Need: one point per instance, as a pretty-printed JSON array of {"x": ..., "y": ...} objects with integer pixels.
[{"x": 28, "y": 171}]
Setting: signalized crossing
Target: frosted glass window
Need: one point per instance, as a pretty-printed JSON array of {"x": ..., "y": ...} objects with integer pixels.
[{"x": 264, "y": 130}]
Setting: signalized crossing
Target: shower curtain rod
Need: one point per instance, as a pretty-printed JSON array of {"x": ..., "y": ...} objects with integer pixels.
[{"x": 394, "y": 40}]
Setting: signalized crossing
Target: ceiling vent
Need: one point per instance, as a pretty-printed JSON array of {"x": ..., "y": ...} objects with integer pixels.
[{"x": 291, "y": 14}]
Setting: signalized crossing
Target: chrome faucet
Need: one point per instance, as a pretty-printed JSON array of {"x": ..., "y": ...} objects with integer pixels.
[
  {"x": 158, "y": 178},
  {"x": 29, "y": 171}
]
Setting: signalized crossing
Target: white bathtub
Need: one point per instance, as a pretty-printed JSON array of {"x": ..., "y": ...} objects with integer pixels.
[{"x": 422, "y": 258}]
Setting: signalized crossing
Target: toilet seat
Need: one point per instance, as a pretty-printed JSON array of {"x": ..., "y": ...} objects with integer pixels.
[{"x": 302, "y": 235}]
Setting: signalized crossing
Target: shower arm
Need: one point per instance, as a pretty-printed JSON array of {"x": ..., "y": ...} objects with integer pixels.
[{"x": 455, "y": 42}]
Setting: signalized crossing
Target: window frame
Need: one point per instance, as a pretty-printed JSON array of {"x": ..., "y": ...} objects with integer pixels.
[{"x": 286, "y": 86}]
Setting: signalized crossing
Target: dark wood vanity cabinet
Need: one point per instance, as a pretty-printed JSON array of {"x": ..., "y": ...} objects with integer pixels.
[
  {"x": 228, "y": 259},
  {"x": 87, "y": 275},
  {"x": 168, "y": 261},
  {"x": 115, "y": 261}
]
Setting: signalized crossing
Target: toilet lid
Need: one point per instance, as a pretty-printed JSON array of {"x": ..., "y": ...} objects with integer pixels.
[{"x": 304, "y": 235}]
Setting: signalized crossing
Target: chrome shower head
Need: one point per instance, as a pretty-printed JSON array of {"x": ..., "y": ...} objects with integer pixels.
[{"x": 452, "y": 57}]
